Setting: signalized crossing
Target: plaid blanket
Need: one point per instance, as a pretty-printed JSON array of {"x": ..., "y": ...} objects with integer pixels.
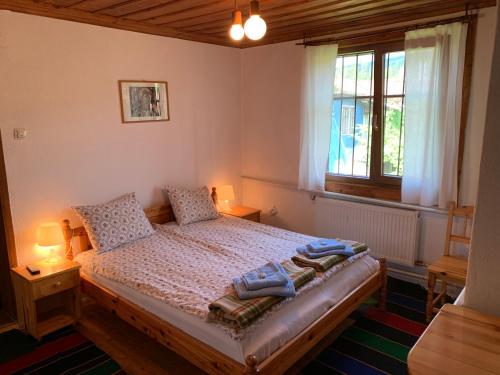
[
  {"x": 324, "y": 263},
  {"x": 241, "y": 313}
]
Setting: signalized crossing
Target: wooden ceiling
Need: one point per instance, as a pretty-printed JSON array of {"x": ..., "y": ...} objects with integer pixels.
[{"x": 209, "y": 21}]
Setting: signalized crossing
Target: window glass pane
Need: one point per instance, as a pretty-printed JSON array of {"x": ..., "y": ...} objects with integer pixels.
[
  {"x": 393, "y": 121},
  {"x": 346, "y": 143},
  {"x": 337, "y": 83},
  {"x": 394, "y": 73},
  {"x": 350, "y": 141},
  {"x": 364, "y": 79},
  {"x": 333, "y": 158},
  {"x": 361, "y": 166},
  {"x": 349, "y": 81},
  {"x": 393, "y": 136}
]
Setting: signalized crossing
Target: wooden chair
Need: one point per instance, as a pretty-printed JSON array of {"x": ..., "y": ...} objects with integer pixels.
[{"x": 449, "y": 269}]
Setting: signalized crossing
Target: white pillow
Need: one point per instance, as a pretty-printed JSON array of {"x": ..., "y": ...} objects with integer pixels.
[
  {"x": 192, "y": 205},
  {"x": 114, "y": 223}
]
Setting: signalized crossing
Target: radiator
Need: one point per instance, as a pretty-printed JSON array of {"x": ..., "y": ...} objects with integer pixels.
[{"x": 389, "y": 232}]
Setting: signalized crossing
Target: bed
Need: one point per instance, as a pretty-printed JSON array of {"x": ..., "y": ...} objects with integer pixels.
[{"x": 270, "y": 345}]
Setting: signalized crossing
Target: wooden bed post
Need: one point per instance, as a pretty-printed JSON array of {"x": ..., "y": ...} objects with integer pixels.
[
  {"x": 383, "y": 290},
  {"x": 251, "y": 368},
  {"x": 68, "y": 235},
  {"x": 214, "y": 195}
]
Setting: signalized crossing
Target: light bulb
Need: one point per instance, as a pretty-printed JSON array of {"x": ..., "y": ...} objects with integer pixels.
[
  {"x": 255, "y": 27},
  {"x": 237, "y": 32}
]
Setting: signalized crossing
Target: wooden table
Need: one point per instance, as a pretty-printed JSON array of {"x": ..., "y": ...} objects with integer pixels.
[
  {"x": 458, "y": 341},
  {"x": 248, "y": 213}
]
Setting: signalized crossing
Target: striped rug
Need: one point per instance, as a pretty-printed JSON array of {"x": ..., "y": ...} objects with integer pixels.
[
  {"x": 378, "y": 341},
  {"x": 63, "y": 352}
]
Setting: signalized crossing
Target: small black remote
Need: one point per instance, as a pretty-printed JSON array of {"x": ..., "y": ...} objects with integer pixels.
[{"x": 33, "y": 270}]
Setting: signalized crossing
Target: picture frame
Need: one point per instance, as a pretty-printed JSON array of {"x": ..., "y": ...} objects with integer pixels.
[{"x": 144, "y": 101}]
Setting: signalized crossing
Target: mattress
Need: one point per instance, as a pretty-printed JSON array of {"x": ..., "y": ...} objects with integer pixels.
[{"x": 266, "y": 335}]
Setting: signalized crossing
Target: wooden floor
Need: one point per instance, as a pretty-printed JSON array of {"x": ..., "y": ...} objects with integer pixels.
[{"x": 137, "y": 354}]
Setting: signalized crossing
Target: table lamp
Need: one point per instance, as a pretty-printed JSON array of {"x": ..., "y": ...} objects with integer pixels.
[
  {"x": 50, "y": 237},
  {"x": 225, "y": 194}
]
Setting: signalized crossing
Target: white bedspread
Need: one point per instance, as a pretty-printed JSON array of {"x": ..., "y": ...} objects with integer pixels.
[{"x": 188, "y": 267}]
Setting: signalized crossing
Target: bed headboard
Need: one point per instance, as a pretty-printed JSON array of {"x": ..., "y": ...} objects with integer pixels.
[{"x": 156, "y": 215}]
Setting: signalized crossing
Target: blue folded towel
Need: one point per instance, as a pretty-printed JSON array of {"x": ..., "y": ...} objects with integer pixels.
[
  {"x": 325, "y": 245},
  {"x": 270, "y": 275},
  {"x": 287, "y": 290},
  {"x": 303, "y": 250}
]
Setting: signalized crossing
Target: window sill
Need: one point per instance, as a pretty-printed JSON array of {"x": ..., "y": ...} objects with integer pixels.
[
  {"x": 385, "y": 192},
  {"x": 377, "y": 201}
]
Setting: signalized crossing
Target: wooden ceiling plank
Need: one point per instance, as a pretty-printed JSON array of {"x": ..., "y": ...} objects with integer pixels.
[
  {"x": 167, "y": 19},
  {"x": 113, "y": 6},
  {"x": 348, "y": 9},
  {"x": 178, "y": 7},
  {"x": 356, "y": 15},
  {"x": 365, "y": 23},
  {"x": 94, "y": 5},
  {"x": 208, "y": 21},
  {"x": 46, "y": 10},
  {"x": 422, "y": 7},
  {"x": 136, "y": 5},
  {"x": 277, "y": 13}
]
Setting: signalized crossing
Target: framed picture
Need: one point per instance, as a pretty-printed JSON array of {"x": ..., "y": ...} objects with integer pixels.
[{"x": 144, "y": 101}]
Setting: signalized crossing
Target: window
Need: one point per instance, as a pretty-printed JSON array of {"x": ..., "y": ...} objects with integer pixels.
[{"x": 366, "y": 144}]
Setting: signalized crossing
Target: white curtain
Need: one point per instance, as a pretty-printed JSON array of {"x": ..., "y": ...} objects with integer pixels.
[
  {"x": 316, "y": 115},
  {"x": 434, "y": 74}
]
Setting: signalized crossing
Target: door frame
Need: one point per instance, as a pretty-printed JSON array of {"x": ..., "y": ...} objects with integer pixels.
[{"x": 8, "y": 260}]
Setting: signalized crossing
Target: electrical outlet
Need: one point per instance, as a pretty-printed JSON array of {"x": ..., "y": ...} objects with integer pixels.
[{"x": 20, "y": 133}]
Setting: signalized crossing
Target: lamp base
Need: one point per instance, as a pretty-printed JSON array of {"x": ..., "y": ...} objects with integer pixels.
[
  {"x": 225, "y": 207},
  {"x": 53, "y": 258}
]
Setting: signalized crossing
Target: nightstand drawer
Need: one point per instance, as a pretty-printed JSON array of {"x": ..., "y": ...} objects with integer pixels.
[{"x": 56, "y": 284}]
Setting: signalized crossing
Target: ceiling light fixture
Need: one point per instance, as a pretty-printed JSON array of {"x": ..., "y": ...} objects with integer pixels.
[
  {"x": 237, "y": 32},
  {"x": 255, "y": 26}
]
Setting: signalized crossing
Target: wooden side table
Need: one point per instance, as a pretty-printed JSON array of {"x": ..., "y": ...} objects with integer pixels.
[
  {"x": 458, "y": 341},
  {"x": 48, "y": 301},
  {"x": 243, "y": 212}
]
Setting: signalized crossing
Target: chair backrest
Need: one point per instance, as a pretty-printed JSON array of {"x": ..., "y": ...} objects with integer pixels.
[{"x": 467, "y": 213}]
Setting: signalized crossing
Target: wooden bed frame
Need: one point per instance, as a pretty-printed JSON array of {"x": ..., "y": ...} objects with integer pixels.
[{"x": 203, "y": 355}]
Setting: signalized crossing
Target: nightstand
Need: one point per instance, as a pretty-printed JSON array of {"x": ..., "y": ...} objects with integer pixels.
[
  {"x": 47, "y": 301},
  {"x": 242, "y": 212}
]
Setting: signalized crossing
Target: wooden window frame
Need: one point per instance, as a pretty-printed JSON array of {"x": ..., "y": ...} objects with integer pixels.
[{"x": 377, "y": 185}]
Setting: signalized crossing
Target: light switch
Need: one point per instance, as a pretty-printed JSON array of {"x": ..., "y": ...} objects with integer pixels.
[{"x": 20, "y": 133}]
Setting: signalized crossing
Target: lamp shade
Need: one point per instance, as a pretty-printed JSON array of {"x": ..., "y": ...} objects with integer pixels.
[
  {"x": 50, "y": 234},
  {"x": 225, "y": 193}
]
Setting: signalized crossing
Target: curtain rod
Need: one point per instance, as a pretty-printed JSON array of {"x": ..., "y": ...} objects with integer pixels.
[{"x": 467, "y": 18}]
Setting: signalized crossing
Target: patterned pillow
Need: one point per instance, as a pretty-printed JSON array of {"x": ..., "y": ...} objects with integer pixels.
[
  {"x": 192, "y": 205},
  {"x": 114, "y": 223}
]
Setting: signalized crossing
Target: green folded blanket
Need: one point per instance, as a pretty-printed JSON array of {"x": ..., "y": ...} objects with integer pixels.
[
  {"x": 324, "y": 263},
  {"x": 241, "y": 313}
]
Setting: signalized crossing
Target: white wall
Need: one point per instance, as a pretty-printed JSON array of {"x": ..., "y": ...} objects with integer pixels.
[
  {"x": 60, "y": 81},
  {"x": 270, "y": 135},
  {"x": 483, "y": 282}
]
